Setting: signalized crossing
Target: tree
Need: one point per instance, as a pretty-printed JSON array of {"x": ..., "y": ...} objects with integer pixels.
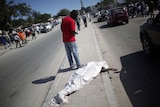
[
  {"x": 14, "y": 15},
  {"x": 5, "y": 14},
  {"x": 104, "y": 4},
  {"x": 63, "y": 12},
  {"x": 38, "y": 18},
  {"x": 45, "y": 17},
  {"x": 9, "y": 11},
  {"x": 22, "y": 10}
]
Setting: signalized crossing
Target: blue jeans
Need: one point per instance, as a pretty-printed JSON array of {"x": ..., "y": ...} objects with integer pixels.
[{"x": 71, "y": 49}]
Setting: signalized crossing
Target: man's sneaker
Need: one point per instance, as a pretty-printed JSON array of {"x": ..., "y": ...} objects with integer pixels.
[
  {"x": 80, "y": 66},
  {"x": 72, "y": 66}
]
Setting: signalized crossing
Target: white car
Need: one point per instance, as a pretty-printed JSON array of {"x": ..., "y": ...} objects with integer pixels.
[
  {"x": 48, "y": 26},
  {"x": 101, "y": 15}
]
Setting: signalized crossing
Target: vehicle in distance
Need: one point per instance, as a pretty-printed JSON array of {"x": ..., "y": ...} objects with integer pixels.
[
  {"x": 117, "y": 15},
  {"x": 46, "y": 28},
  {"x": 101, "y": 15}
]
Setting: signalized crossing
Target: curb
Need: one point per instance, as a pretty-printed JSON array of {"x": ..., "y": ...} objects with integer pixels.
[{"x": 109, "y": 90}]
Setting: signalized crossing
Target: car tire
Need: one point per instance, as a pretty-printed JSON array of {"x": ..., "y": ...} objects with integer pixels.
[
  {"x": 109, "y": 24},
  {"x": 147, "y": 45},
  {"x": 127, "y": 21}
]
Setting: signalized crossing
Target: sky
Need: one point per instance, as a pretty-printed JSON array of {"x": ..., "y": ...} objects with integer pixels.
[{"x": 54, "y": 6}]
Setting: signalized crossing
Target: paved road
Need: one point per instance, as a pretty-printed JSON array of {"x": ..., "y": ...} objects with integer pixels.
[
  {"x": 138, "y": 76},
  {"x": 26, "y": 73}
]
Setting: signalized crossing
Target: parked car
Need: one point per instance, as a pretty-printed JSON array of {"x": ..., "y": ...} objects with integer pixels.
[
  {"x": 150, "y": 35},
  {"x": 117, "y": 15},
  {"x": 44, "y": 29},
  {"x": 48, "y": 26},
  {"x": 101, "y": 15}
]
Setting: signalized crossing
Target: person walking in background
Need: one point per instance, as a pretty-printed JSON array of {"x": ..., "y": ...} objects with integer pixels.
[
  {"x": 150, "y": 4},
  {"x": 33, "y": 32},
  {"x": 89, "y": 16},
  {"x": 22, "y": 36},
  {"x": 10, "y": 33},
  {"x": 3, "y": 40},
  {"x": 78, "y": 22},
  {"x": 17, "y": 40},
  {"x": 68, "y": 28},
  {"x": 8, "y": 40},
  {"x": 84, "y": 19},
  {"x": 157, "y": 18}
]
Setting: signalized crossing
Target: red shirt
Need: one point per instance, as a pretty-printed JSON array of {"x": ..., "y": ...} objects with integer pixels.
[{"x": 67, "y": 26}]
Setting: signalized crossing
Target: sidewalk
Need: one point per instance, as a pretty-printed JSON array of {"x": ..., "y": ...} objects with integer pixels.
[{"x": 99, "y": 92}]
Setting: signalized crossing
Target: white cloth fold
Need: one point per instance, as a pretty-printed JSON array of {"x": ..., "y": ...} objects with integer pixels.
[{"x": 81, "y": 77}]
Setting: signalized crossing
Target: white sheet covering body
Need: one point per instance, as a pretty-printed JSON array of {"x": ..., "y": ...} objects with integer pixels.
[{"x": 77, "y": 80}]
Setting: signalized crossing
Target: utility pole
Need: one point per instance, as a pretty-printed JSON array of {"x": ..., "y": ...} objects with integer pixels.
[
  {"x": 82, "y": 6},
  {"x": 101, "y": 4}
]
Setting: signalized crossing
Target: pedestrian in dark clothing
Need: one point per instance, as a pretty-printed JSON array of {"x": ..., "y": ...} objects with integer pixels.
[
  {"x": 10, "y": 33},
  {"x": 33, "y": 33},
  {"x": 5, "y": 40},
  {"x": 84, "y": 20},
  {"x": 68, "y": 28},
  {"x": 78, "y": 22},
  {"x": 150, "y": 4},
  {"x": 8, "y": 39},
  {"x": 157, "y": 18}
]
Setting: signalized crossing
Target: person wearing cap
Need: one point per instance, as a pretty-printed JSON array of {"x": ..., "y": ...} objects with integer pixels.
[{"x": 68, "y": 27}]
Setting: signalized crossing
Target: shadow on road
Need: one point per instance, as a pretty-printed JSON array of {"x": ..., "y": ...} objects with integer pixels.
[
  {"x": 44, "y": 80},
  {"x": 65, "y": 70},
  {"x": 107, "y": 26},
  {"x": 140, "y": 76}
]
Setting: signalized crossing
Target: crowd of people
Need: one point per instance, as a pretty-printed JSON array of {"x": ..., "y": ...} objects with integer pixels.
[
  {"x": 141, "y": 9},
  {"x": 17, "y": 37}
]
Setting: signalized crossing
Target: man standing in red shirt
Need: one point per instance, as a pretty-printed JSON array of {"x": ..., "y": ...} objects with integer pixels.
[{"x": 68, "y": 27}]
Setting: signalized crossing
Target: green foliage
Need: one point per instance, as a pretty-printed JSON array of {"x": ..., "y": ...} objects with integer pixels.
[
  {"x": 22, "y": 9},
  {"x": 14, "y": 15},
  {"x": 18, "y": 22},
  {"x": 4, "y": 15},
  {"x": 63, "y": 12},
  {"x": 38, "y": 18},
  {"x": 45, "y": 17}
]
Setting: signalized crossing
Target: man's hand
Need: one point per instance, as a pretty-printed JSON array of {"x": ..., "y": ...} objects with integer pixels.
[{"x": 74, "y": 32}]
